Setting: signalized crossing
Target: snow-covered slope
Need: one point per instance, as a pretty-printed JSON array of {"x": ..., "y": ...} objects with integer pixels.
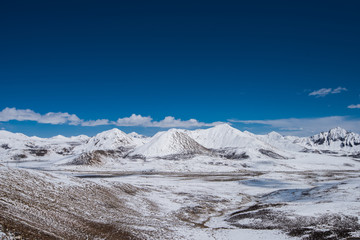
[
  {"x": 102, "y": 148},
  {"x": 224, "y": 137},
  {"x": 17, "y": 146},
  {"x": 108, "y": 140},
  {"x": 12, "y": 140},
  {"x": 171, "y": 142},
  {"x": 281, "y": 142},
  {"x": 138, "y": 139},
  {"x": 336, "y": 139}
]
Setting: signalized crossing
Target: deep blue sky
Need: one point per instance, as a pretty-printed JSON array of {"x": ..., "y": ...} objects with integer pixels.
[{"x": 208, "y": 60}]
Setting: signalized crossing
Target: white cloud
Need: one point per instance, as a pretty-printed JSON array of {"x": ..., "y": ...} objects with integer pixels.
[
  {"x": 326, "y": 91},
  {"x": 307, "y": 126},
  {"x": 167, "y": 122},
  {"x": 321, "y": 92},
  {"x": 134, "y": 120},
  {"x": 93, "y": 123},
  {"x": 59, "y": 118},
  {"x": 354, "y": 106},
  {"x": 9, "y": 114},
  {"x": 338, "y": 90}
]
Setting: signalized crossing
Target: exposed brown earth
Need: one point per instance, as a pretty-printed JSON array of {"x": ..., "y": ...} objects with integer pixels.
[{"x": 39, "y": 206}]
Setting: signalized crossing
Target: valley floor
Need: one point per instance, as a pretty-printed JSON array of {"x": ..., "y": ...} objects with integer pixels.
[{"x": 70, "y": 204}]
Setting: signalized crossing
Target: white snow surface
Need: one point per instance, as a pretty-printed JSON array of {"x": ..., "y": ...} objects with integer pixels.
[
  {"x": 138, "y": 139},
  {"x": 277, "y": 140}
]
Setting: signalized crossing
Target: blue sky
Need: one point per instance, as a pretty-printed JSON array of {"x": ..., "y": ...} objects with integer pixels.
[{"x": 289, "y": 66}]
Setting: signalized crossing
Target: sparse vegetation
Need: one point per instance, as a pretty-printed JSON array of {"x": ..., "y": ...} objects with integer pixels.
[
  {"x": 65, "y": 151},
  {"x": 40, "y": 206},
  {"x": 38, "y": 152},
  {"x": 323, "y": 227},
  {"x": 95, "y": 157},
  {"x": 5, "y": 146},
  {"x": 271, "y": 154},
  {"x": 19, "y": 156}
]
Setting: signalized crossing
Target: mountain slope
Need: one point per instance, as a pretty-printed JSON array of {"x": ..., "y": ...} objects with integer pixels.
[
  {"x": 222, "y": 136},
  {"x": 226, "y": 137},
  {"x": 42, "y": 205},
  {"x": 167, "y": 143},
  {"x": 138, "y": 139},
  {"x": 277, "y": 140},
  {"x": 108, "y": 140},
  {"x": 17, "y": 146}
]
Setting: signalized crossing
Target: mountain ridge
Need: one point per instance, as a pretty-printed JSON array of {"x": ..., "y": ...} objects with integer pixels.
[{"x": 222, "y": 141}]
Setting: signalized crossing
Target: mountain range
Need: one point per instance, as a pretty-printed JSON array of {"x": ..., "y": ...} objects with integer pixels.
[{"x": 221, "y": 141}]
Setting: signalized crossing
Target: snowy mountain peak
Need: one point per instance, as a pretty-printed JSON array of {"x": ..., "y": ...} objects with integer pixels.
[
  {"x": 111, "y": 139},
  {"x": 224, "y": 126},
  {"x": 337, "y": 132},
  {"x": 59, "y": 137},
  {"x": 171, "y": 142},
  {"x": 6, "y": 134},
  {"x": 114, "y": 131},
  {"x": 114, "y": 134},
  {"x": 136, "y": 135},
  {"x": 80, "y": 137},
  {"x": 222, "y": 136},
  {"x": 138, "y": 139},
  {"x": 274, "y": 135},
  {"x": 336, "y": 138}
]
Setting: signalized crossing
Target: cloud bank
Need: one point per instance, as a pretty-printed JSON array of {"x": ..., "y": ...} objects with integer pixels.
[
  {"x": 167, "y": 122},
  {"x": 306, "y": 126},
  {"x": 326, "y": 91},
  {"x": 9, "y": 114}
]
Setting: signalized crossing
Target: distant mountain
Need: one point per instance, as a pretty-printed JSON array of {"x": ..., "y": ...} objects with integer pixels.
[
  {"x": 334, "y": 139},
  {"x": 19, "y": 147},
  {"x": 138, "y": 138}
]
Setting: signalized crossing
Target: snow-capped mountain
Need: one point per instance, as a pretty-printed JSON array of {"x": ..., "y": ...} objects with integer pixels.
[
  {"x": 108, "y": 140},
  {"x": 233, "y": 140},
  {"x": 336, "y": 139},
  {"x": 223, "y": 136},
  {"x": 171, "y": 142},
  {"x": 105, "y": 146}
]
